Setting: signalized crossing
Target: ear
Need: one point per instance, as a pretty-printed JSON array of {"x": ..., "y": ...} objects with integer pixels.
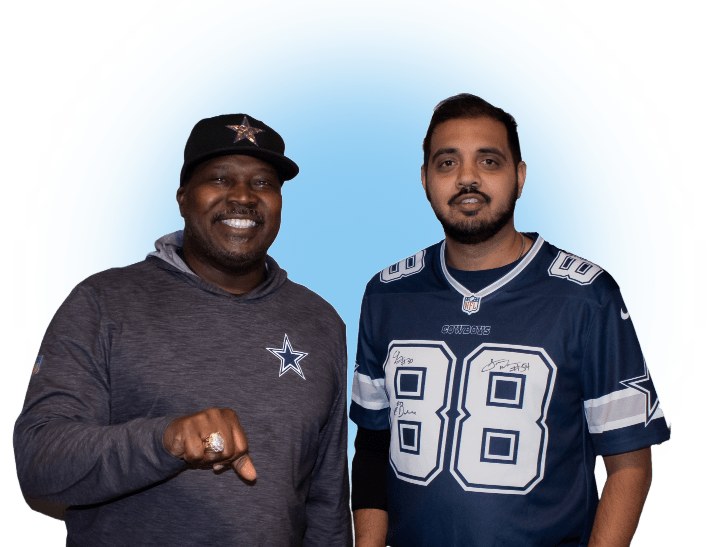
[
  {"x": 521, "y": 173},
  {"x": 422, "y": 177},
  {"x": 180, "y": 197}
]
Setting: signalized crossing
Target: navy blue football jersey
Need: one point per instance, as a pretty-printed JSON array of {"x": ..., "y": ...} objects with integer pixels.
[{"x": 499, "y": 401}]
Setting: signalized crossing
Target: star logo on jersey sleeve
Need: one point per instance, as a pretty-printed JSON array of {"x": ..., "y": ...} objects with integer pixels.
[
  {"x": 644, "y": 385},
  {"x": 245, "y": 131},
  {"x": 290, "y": 360}
]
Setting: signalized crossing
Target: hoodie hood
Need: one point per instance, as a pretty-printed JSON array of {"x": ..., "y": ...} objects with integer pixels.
[{"x": 166, "y": 250}]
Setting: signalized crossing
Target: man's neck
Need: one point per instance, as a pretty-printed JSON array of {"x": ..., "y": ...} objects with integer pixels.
[
  {"x": 227, "y": 281},
  {"x": 500, "y": 250}
]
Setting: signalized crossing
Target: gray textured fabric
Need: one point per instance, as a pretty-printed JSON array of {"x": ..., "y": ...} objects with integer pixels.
[{"x": 133, "y": 348}]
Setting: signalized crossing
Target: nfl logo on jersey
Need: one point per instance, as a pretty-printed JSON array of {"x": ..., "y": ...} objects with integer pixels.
[{"x": 471, "y": 304}]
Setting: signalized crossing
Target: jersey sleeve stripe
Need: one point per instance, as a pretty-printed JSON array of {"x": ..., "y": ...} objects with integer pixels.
[
  {"x": 616, "y": 410},
  {"x": 610, "y": 397},
  {"x": 627, "y": 422},
  {"x": 369, "y": 393}
]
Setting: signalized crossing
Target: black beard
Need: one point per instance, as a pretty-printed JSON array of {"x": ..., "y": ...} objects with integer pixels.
[
  {"x": 230, "y": 263},
  {"x": 471, "y": 232}
]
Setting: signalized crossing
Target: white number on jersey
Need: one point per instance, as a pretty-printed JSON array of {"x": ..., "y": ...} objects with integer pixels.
[
  {"x": 500, "y": 437},
  {"x": 411, "y": 265},
  {"x": 418, "y": 376},
  {"x": 574, "y": 268}
]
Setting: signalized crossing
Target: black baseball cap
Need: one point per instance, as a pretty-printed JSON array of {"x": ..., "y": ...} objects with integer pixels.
[{"x": 236, "y": 134}]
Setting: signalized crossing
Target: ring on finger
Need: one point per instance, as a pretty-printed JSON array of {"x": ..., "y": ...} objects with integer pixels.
[{"x": 214, "y": 442}]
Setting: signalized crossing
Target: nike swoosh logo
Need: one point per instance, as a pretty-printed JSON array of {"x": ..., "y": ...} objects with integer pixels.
[{"x": 624, "y": 315}]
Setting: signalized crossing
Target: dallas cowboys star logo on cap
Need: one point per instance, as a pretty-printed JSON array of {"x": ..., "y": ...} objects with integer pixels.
[
  {"x": 644, "y": 385},
  {"x": 245, "y": 131},
  {"x": 290, "y": 360}
]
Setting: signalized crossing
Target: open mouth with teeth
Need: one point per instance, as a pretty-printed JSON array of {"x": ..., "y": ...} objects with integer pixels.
[
  {"x": 239, "y": 222},
  {"x": 469, "y": 198}
]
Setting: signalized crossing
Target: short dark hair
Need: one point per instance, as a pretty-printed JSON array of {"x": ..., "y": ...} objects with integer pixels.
[{"x": 466, "y": 105}]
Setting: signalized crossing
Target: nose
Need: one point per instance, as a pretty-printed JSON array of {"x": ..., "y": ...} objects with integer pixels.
[
  {"x": 241, "y": 192},
  {"x": 467, "y": 176}
]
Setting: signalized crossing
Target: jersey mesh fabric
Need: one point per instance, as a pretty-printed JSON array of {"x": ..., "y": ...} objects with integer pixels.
[{"x": 499, "y": 401}]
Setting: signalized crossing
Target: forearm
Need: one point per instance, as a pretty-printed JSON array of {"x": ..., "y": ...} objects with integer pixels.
[
  {"x": 369, "y": 494},
  {"x": 75, "y": 463},
  {"x": 370, "y": 527},
  {"x": 623, "y": 497}
]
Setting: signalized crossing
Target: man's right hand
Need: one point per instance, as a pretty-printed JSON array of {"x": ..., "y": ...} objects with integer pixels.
[{"x": 184, "y": 436}]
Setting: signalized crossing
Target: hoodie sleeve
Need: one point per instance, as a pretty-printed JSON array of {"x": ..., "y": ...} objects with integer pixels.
[
  {"x": 328, "y": 503},
  {"x": 66, "y": 449}
]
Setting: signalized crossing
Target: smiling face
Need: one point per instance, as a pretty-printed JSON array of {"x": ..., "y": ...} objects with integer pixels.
[
  {"x": 471, "y": 180},
  {"x": 231, "y": 206}
]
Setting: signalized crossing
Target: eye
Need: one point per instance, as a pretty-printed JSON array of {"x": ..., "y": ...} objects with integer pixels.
[
  {"x": 216, "y": 179},
  {"x": 262, "y": 182}
]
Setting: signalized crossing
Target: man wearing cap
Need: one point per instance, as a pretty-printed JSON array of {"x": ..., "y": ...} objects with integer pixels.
[{"x": 197, "y": 397}]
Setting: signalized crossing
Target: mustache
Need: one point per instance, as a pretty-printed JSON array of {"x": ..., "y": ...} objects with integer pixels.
[
  {"x": 256, "y": 215},
  {"x": 465, "y": 191}
]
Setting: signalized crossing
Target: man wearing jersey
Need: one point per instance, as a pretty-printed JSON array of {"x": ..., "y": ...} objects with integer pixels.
[{"x": 492, "y": 368}]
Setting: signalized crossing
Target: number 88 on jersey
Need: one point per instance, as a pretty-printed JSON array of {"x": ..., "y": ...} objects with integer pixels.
[{"x": 500, "y": 437}]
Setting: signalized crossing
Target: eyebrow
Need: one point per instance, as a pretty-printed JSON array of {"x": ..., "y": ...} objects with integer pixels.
[
  {"x": 491, "y": 150},
  {"x": 226, "y": 167},
  {"x": 219, "y": 167},
  {"x": 442, "y": 151}
]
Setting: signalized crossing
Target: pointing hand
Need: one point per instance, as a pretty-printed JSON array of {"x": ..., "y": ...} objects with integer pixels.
[{"x": 184, "y": 438}]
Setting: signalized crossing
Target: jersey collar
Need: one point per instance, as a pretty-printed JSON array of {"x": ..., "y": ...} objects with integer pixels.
[{"x": 471, "y": 300}]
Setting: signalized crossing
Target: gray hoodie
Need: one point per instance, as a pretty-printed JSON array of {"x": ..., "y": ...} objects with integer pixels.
[{"x": 133, "y": 348}]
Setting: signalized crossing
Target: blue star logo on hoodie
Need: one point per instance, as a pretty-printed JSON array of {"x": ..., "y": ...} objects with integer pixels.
[{"x": 290, "y": 360}]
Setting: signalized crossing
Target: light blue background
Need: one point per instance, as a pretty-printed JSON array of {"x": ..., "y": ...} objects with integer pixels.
[{"x": 616, "y": 107}]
